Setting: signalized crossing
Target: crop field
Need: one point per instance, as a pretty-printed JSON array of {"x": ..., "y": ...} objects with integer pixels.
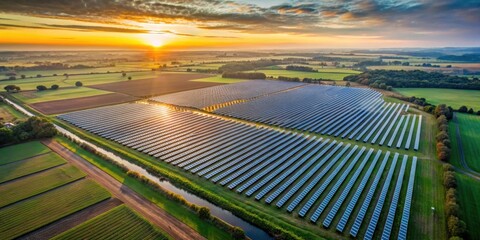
[
  {"x": 32, "y": 213},
  {"x": 162, "y": 84},
  {"x": 21, "y": 151},
  {"x": 67, "y": 105},
  {"x": 25, "y": 167},
  {"x": 469, "y": 98},
  {"x": 59, "y": 94},
  {"x": 225, "y": 94},
  {"x": 38, "y": 183},
  {"x": 9, "y": 114},
  {"x": 117, "y": 223},
  {"x": 355, "y": 190},
  {"x": 300, "y": 74},
  {"x": 469, "y": 126},
  {"x": 468, "y": 191}
]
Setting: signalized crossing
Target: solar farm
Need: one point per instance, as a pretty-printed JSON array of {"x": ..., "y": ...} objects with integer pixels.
[
  {"x": 318, "y": 175},
  {"x": 351, "y": 113}
]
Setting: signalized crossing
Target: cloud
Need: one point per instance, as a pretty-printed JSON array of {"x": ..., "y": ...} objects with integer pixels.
[{"x": 386, "y": 18}]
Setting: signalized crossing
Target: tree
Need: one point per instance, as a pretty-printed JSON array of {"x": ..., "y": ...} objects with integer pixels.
[
  {"x": 39, "y": 75},
  {"x": 442, "y": 109},
  {"x": 78, "y": 84},
  {"x": 54, "y": 87},
  {"x": 451, "y": 195},
  {"x": 347, "y": 84},
  {"x": 463, "y": 109},
  {"x": 12, "y": 88},
  {"x": 41, "y": 88},
  {"x": 389, "y": 88},
  {"x": 449, "y": 180},
  {"x": 442, "y": 120},
  {"x": 204, "y": 213},
  {"x": 6, "y": 136},
  {"x": 452, "y": 208},
  {"x": 442, "y": 136},
  {"x": 238, "y": 233},
  {"x": 12, "y": 78},
  {"x": 124, "y": 74},
  {"x": 470, "y": 110},
  {"x": 456, "y": 227},
  {"x": 129, "y": 77},
  {"x": 23, "y": 76}
]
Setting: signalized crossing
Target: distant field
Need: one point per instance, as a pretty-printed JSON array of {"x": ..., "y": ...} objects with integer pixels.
[
  {"x": 59, "y": 94},
  {"x": 8, "y": 114},
  {"x": 324, "y": 75},
  {"x": 66, "y": 105},
  {"x": 324, "y": 69},
  {"x": 43, "y": 209},
  {"x": 21, "y": 151},
  {"x": 119, "y": 222},
  {"x": 469, "y": 129},
  {"x": 38, "y": 183},
  {"x": 219, "y": 79},
  {"x": 35, "y": 164},
  {"x": 452, "y": 97}
]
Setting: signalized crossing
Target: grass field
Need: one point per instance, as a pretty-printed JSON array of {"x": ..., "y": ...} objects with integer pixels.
[
  {"x": 28, "y": 215},
  {"x": 452, "y": 97},
  {"x": 117, "y": 223},
  {"x": 60, "y": 94},
  {"x": 219, "y": 79},
  {"x": 9, "y": 114},
  {"x": 469, "y": 133},
  {"x": 468, "y": 192},
  {"x": 28, "y": 166},
  {"x": 324, "y": 75},
  {"x": 38, "y": 183},
  {"x": 185, "y": 215},
  {"x": 20, "y": 151}
]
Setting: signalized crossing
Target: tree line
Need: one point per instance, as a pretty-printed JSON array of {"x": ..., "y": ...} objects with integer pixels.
[
  {"x": 414, "y": 79},
  {"x": 244, "y": 75},
  {"x": 32, "y": 128},
  {"x": 300, "y": 68}
]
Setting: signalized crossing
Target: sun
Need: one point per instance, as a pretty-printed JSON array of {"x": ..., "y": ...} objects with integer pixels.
[{"x": 154, "y": 40}]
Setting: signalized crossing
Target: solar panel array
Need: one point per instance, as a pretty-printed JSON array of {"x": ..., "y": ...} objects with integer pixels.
[
  {"x": 297, "y": 173},
  {"x": 353, "y": 113},
  {"x": 206, "y": 97}
]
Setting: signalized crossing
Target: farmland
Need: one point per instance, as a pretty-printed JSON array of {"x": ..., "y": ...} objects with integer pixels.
[
  {"x": 21, "y": 151},
  {"x": 35, "y": 164},
  {"x": 337, "y": 75},
  {"x": 60, "y": 94},
  {"x": 317, "y": 167},
  {"x": 469, "y": 137},
  {"x": 468, "y": 191},
  {"x": 8, "y": 114},
  {"x": 469, "y": 98},
  {"x": 67, "y": 105},
  {"x": 119, "y": 222}
]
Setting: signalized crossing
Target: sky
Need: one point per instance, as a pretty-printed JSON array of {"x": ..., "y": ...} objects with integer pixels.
[{"x": 237, "y": 25}]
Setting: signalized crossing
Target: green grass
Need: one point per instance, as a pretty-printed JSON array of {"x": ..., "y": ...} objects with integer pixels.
[
  {"x": 219, "y": 79},
  {"x": 9, "y": 114},
  {"x": 21, "y": 151},
  {"x": 452, "y": 97},
  {"x": 325, "y": 69},
  {"x": 28, "y": 215},
  {"x": 35, "y": 164},
  {"x": 38, "y": 183},
  {"x": 117, "y": 223},
  {"x": 324, "y": 75},
  {"x": 183, "y": 214},
  {"x": 59, "y": 94},
  {"x": 469, "y": 127},
  {"x": 468, "y": 192}
]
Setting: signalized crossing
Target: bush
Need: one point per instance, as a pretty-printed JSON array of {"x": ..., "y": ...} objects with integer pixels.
[
  {"x": 78, "y": 84},
  {"x": 12, "y": 88},
  {"x": 41, "y": 88},
  {"x": 463, "y": 109},
  {"x": 470, "y": 110},
  {"x": 456, "y": 227},
  {"x": 204, "y": 213},
  {"x": 449, "y": 180},
  {"x": 54, "y": 87},
  {"x": 452, "y": 208},
  {"x": 6, "y": 136},
  {"x": 442, "y": 136}
]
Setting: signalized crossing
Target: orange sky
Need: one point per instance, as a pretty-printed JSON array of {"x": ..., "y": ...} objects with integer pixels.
[{"x": 230, "y": 25}]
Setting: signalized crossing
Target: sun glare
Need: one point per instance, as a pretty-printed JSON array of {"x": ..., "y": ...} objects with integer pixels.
[{"x": 153, "y": 40}]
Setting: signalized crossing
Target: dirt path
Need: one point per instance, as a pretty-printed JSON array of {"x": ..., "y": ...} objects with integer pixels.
[
  {"x": 466, "y": 169},
  {"x": 157, "y": 216},
  {"x": 72, "y": 220}
]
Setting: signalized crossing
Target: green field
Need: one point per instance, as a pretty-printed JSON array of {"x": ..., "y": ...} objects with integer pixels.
[
  {"x": 59, "y": 94},
  {"x": 9, "y": 114},
  {"x": 324, "y": 69},
  {"x": 28, "y": 215},
  {"x": 117, "y": 223},
  {"x": 452, "y": 97},
  {"x": 468, "y": 192},
  {"x": 206, "y": 229},
  {"x": 219, "y": 79},
  {"x": 469, "y": 134},
  {"x": 21, "y": 151},
  {"x": 324, "y": 75},
  {"x": 38, "y": 183},
  {"x": 28, "y": 166}
]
